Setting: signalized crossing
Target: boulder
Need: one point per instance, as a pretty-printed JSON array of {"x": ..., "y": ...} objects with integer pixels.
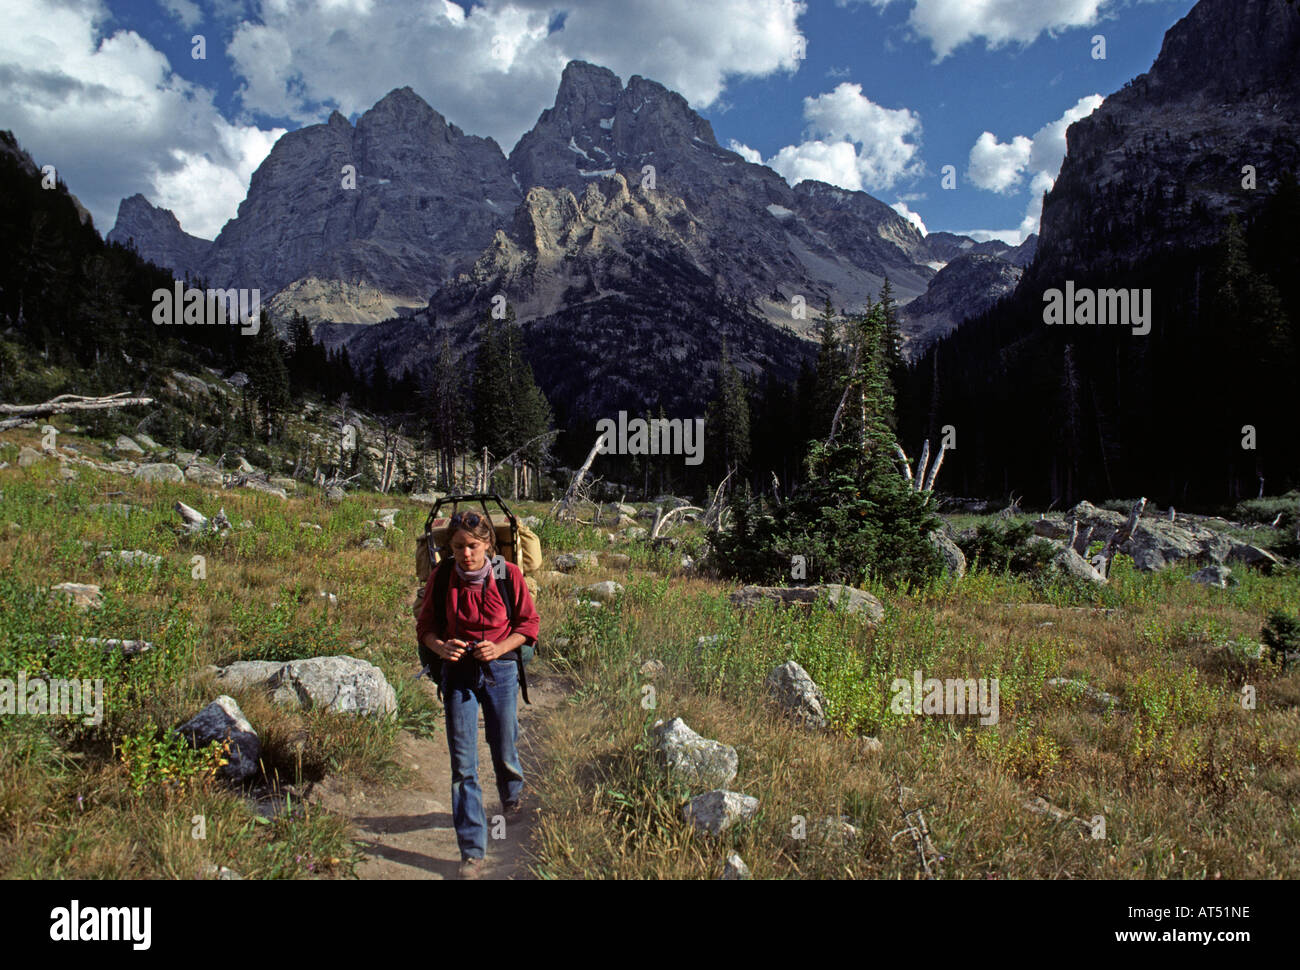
[
  {"x": 146, "y": 442},
  {"x": 1070, "y": 563},
  {"x": 1051, "y": 529},
  {"x": 159, "y": 472},
  {"x": 1249, "y": 555},
  {"x": 28, "y": 457},
  {"x": 222, "y": 720},
  {"x": 341, "y": 684},
  {"x": 374, "y": 542},
  {"x": 1218, "y": 576},
  {"x": 844, "y": 598},
  {"x": 203, "y": 474},
  {"x": 602, "y": 592},
  {"x": 247, "y": 673},
  {"x": 84, "y": 596},
  {"x": 692, "y": 760},
  {"x": 257, "y": 485},
  {"x": 284, "y": 482},
  {"x": 716, "y": 811},
  {"x": 796, "y": 693},
  {"x": 567, "y": 562},
  {"x": 125, "y": 446},
  {"x": 243, "y": 465},
  {"x": 615, "y": 560},
  {"x": 335, "y": 494},
  {"x": 954, "y": 559}
]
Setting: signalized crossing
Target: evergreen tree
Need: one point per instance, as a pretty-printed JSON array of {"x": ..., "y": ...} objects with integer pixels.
[{"x": 727, "y": 421}]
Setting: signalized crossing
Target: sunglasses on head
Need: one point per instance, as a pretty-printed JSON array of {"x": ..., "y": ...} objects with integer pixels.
[{"x": 469, "y": 519}]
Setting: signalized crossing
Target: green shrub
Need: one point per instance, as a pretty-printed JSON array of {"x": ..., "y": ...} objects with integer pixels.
[
  {"x": 1010, "y": 548},
  {"x": 855, "y": 518},
  {"x": 1281, "y": 634}
]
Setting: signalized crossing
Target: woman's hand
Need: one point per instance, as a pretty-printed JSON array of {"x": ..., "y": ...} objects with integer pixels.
[
  {"x": 451, "y": 650},
  {"x": 487, "y": 650}
]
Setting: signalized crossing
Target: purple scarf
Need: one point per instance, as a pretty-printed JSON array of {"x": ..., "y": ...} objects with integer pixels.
[{"x": 474, "y": 576}]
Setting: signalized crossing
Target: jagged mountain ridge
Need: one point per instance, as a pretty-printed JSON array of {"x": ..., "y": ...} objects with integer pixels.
[
  {"x": 1224, "y": 92},
  {"x": 611, "y": 180}
]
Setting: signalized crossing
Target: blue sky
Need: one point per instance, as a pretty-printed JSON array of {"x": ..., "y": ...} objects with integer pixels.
[{"x": 871, "y": 94}]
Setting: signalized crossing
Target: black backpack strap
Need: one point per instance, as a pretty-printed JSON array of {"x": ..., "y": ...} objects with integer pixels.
[
  {"x": 441, "y": 580},
  {"x": 506, "y": 590}
]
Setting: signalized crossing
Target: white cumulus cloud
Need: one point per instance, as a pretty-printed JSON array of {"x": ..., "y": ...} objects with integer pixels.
[
  {"x": 947, "y": 24},
  {"x": 1003, "y": 166},
  {"x": 107, "y": 110},
  {"x": 853, "y": 143}
]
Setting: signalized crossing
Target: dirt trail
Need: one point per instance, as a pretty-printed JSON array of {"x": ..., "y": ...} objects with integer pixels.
[{"x": 407, "y": 833}]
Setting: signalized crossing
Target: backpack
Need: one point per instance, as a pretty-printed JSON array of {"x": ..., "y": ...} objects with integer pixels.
[{"x": 441, "y": 579}]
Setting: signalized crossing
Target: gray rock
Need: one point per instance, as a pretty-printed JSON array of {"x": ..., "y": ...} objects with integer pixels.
[
  {"x": 374, "y": 542},
  {"x": 797, "y": 694},
  {"x": 735, "y": 868},
  {"x": 1071, "y": 563},
  {"x": 126, "y": 446},
  {"x": 257, "y": 485},
  {"x": 954, "y": 559},
  {"x": 128, "y": 648},
  {"x": 1079, "y": 688},
  {"x": 243, "y": 465},
  {"x": 603, "y": 592},
  {"x": 1218, "y": 576},
  {"x": 146, "y": 442},
  {"x": 247, "y": 673},
  {"x": 285, "y": 483},
  {"x": 28, "y": 457},
  {"x": 845, "y": 598},
  {"x": 692, "y": 760},
  {"x": 203, "y": 474},
  {"x": 716, "y": 811},
  {"x": 569, "y": 561},
  {"x": 341, "y": 684},
  {"x": 84, "y": 596},
  {"x": 131, "y": 557},
  {"x": 615, "y": 560},
  {"x": 1051, "y": 529},
  {"x": 634, "y": 533},
  {"x": 222, "y": 720},
  {"x": 335, "y": 494},
  {"x": 870, "y": 746},
  {"x": 1249, "y": 555},
  {"x": 159, "y": 472}
]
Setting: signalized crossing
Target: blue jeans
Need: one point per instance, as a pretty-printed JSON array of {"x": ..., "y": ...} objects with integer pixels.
[{"x": 464, "y": 688}]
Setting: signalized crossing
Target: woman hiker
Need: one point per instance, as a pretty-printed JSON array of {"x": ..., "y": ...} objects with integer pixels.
[{"x": 477, "y": 648}]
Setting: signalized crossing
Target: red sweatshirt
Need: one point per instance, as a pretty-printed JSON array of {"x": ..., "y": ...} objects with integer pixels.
[{"x": 478, "y": 613}]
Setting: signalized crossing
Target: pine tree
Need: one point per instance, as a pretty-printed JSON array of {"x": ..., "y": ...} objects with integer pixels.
[{"x": 727, "y": 420}]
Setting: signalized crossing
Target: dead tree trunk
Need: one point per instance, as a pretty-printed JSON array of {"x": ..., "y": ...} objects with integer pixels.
[
  {"x": 65, "y": 403},
  {"x": 562, "y": 507}
]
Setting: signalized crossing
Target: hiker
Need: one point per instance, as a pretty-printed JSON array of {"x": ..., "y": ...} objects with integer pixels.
[{"x": 478, "y": 647}]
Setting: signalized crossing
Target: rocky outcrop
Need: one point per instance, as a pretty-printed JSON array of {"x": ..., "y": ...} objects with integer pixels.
[
  {"x": 1224, "y": 92},
  {"x": 157, "y": 236}
]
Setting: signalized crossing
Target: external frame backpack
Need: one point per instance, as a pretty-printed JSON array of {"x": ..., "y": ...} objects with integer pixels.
[{"x": 441, "y": 580}]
